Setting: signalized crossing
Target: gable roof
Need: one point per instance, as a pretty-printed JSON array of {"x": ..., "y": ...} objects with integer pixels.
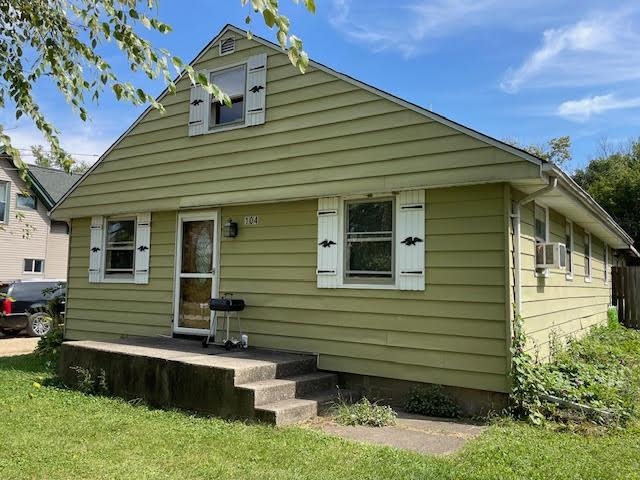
[
  {"x": 49, "y": 184},
  {"x": 545, "y": 167},
  {"x": 54, "y": 182}
]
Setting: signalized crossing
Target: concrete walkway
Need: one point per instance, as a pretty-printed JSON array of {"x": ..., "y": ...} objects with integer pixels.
[
  {"x": 10, "y": 346},
  {"x": 411, "y": 432}
]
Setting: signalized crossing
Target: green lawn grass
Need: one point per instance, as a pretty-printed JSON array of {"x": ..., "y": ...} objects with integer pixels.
[{"x": 50, "y": 433}]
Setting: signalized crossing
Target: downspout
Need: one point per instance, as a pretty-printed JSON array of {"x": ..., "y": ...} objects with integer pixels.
[{"x": 515, "y": 218}]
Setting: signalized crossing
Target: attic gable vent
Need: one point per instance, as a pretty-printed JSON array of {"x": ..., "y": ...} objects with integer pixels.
[{"x": 227, "y": 46}]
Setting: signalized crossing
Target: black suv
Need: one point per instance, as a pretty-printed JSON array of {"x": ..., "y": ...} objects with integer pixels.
[{"x": 29, "y": 305}]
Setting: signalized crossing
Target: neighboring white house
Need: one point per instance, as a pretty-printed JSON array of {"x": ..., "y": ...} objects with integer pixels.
[{"x": 32, "y": 246}]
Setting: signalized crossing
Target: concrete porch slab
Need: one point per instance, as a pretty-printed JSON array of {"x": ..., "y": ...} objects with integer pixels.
[{"x": 252, "y": 384}]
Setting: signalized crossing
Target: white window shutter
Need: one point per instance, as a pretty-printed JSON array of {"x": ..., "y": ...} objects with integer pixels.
[
  {"x": 198, "y": 105},
  {"x": 328, "y": 242},
  {"x": 143, "y": 248},
  {"x": 95, "y": 249},
  {"x": 410, "y": 240},
  {"x": 256, "y": 89}
]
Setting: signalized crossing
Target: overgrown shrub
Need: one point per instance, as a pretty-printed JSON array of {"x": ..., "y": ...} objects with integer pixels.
[
  {"x": 49, "y": 344},
  {"x": 364, "y": 413},
  {"x": 432, "y": 401},
  {"x": 600, "y": 371},
  {"x": 526, "y": 380},
  {"x": 612, "y": 318}
]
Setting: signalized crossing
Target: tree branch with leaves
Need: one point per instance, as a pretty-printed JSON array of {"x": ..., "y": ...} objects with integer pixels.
[{"x": 59, "y": 40}]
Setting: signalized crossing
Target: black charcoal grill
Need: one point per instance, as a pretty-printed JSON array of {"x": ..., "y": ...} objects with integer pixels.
[{"x": 227, "y": 305}]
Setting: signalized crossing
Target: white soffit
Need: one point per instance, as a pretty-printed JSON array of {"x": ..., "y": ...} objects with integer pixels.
[{"x": 566, "y": 204}]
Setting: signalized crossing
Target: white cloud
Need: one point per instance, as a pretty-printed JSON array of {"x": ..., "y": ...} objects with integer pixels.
[
  {"x": 602, "y": 49},
  {"x": 583, "y": 109},
  {"x": 405, "y": 27},
  {"x": 84, "y": 144}
]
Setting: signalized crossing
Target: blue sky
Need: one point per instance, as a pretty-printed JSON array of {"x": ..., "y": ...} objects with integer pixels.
[{"x": 527, "y": 70}]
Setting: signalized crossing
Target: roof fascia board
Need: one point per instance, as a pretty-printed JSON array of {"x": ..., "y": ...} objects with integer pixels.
[
  {"x": 587, "y": 200},
  {"x": 416, "y": 108}
]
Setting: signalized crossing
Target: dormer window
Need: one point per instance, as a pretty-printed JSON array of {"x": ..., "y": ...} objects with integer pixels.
[
  {"x": 232, "y": 81},
  {"x": 246, "y": 85}
]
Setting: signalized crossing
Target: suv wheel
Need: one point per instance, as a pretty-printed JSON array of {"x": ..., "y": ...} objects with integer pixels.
[{"x": 39, "y": 324}]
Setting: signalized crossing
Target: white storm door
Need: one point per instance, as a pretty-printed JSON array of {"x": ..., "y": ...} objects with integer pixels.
[{"x": 196, "y": 271}]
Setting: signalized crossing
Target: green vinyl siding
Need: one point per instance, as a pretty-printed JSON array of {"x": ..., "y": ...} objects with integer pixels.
[
  {"x": 451, "y": 333},
  {"x": 108, "y": 310},
  {"x": 555, "y": 306},
  {"x": 322, "y": 136}
]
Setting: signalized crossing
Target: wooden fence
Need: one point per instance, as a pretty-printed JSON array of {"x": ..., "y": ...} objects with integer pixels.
[{"x": 626, "y": 295}]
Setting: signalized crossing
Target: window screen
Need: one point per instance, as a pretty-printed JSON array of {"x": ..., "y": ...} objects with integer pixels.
[{"x": 369, "y": 241}]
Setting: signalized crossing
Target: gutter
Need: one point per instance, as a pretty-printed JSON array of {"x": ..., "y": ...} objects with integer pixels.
[
  {"x": 588, "y": 201},
  {"x": 515, "y": 219}
]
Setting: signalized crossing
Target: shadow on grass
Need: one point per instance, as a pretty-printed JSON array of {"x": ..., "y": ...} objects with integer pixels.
[{"x": 26, "y": 363}]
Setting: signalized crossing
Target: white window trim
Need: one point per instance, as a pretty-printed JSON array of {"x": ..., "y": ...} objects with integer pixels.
[
  {"x": 341, "y": 252},
  {"x": 546, "y": 272},
  {"x": 589, "y": 278},
  {"x": 32, "y": 272},
  {"x": 207, "y": 114},
  {"x": 569, "y": 274},
  {"x": 112, "y": 279},
  {"x": 7, "y": 203}
]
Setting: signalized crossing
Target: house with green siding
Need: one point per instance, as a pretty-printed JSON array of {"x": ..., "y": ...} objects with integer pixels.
[{"x": 393, "y": 243}]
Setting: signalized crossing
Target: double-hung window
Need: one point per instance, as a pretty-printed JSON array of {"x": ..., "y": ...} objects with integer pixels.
[
  {"x": 120, "y": 247},
  {"x": 375, "y": 242},
  {"x": 4, "y": 204},
  {"x": 569, "y": 244},
  {"x": 587, "y": 257},
  {"x": 231, "y": 81},
  {"x": 541, "y": 234},
  {"x": 606, "y": 263},
  {"x": 369, "y": 234}
]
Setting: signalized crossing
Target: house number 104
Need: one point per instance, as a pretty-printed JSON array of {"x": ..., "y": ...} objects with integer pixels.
[{"x": 251, "y": 220}]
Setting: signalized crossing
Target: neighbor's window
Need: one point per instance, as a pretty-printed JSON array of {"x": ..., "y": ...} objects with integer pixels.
[
  {"x": 25, "y": 202},
  {"x": 59, "y": 227},
  {"x": 587, "y": 256},
  {"x": 569, "y": 243},
  {"x": 369, "y": 226},
  {"x": 4, "y": 195},
  {"x": 120, "y": 247},
  {"x": 231, "y": 81},
  {"x": 32, "y": 265}
]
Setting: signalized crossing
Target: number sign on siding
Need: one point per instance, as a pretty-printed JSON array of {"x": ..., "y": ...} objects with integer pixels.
[{"x": 251, "y": 220}]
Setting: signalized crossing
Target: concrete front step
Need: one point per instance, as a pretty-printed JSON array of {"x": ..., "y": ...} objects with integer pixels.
[
  {"x": 287, "y": 412},
  {"x": 280, "y": 369},
  {"x": 276, "y": 389},
  {"x": 296, "y": 410}
]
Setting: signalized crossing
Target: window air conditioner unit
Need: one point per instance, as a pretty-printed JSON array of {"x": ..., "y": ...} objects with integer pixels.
[{"x": 551, "y": 255}]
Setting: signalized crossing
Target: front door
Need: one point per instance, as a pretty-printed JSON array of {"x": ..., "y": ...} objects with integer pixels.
[{"x": 196, "y": 271}]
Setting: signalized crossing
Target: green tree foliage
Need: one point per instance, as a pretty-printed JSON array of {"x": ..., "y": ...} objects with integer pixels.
[
  {"x": 556, "y": 150},
  {"x": 613, "y": 180},
  {"x": 59, "y": 41},
  {"x": 44, "y": 158}
]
